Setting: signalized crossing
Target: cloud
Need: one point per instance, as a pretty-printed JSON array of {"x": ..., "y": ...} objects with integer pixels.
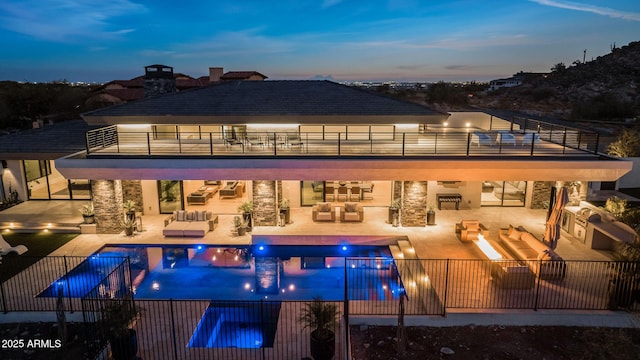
[
  {"x": 66, "y": 20},
  {"x": 613, "y": 13}
]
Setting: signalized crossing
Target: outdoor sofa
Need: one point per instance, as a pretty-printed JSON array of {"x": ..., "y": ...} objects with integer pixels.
[
  {"x": 232, "y": 189},
  {"x": 532, "y": 252},
  {"x": 190, "y": 223}
]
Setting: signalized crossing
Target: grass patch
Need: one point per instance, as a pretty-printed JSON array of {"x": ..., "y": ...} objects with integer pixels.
[{"x": 39, "y": 244}]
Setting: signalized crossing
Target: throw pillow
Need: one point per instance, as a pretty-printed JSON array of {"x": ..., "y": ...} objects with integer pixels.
[
  {"x": 181, "y": 215},
  {"x": 515, "y": 235},
  {"x": 200, "y": 215},
  {"x": 350, "y": 207},
  {"x": 190, "y": 216},
  {"x": 324, "y": 207}
]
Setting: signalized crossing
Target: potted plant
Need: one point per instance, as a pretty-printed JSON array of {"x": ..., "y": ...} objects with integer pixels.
[
  {"x": 130, "y": 209},
  {"x": 284, "y": 209},
  {"x": 88, "y": 213},
  {"x": 246, "y": 208},
  {"x": 117, "y": 315},
  {"x": 240, "y": 225},
  {"x": 129, "y": 224},
  {"x": 321, "y": 316},
  {"x": 394, "y": 210},
  {"x": 431, "y": 215}
]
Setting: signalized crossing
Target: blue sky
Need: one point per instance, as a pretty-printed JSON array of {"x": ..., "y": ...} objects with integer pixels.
[{"x": 413, "y": 40}]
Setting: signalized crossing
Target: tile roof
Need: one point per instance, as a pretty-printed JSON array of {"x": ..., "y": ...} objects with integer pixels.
[
  {"x": 240, "y": 75},
  {"x": 46, "y": 143},
  {"x": 264, "y": 98}
]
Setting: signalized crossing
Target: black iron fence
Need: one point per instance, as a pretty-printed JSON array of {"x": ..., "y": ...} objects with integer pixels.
[{"x": 260, "y": 329}]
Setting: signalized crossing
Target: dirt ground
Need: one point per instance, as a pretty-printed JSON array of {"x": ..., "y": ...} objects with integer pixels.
[{"x": 497, "y": 343}]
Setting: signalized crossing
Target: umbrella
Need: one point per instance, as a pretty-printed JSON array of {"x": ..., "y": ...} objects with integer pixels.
[{"x": 552, "y": 231}]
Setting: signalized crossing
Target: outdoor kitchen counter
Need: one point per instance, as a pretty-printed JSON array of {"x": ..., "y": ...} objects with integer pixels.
[{"x": 604, "y": 233}]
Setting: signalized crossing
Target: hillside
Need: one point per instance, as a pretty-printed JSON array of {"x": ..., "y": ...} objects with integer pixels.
[{"x": 606, "y": 88}]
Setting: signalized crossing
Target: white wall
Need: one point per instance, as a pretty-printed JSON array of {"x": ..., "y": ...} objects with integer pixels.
[
  {"x": 476, "y": 119},
  {"x": 150, "y": 197},
  {"x": 632, "y": 178},
  {"x": 13, "y": 176}
]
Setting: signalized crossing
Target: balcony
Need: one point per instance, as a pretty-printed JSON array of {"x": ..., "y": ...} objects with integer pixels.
[{"x": 542, "y": 142}]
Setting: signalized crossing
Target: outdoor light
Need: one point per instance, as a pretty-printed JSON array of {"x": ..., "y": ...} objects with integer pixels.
[
  {"x": 199, "y": 247},
  {"x": 328, "y": 266},
  {"x": 445, "y": 123},
  {"x": 261, "y": 248},
  {"x": 49, "y": 225},
  {"x": 292, "y": 287},
  {"x": 282, "y": 291},
  {"x": 218, "y": 251},
  {"x": 384, "y": 287},
  {"x": 155, "y": 285},
  {"x": 344, "y": 248},
  {"x": 247, "y": 286},
  {"x": 353, "y": 266},
  {"x": 213, "y": 258},
  {"x": 235, "y": 258},
  {"x": 467, "y": 124},
  {"x": 378, "y": 266}
]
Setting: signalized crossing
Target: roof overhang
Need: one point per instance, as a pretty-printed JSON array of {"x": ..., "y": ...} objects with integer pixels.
[
  {"x": 265, "y": 119},
  {"x": 451, "y": 169}
]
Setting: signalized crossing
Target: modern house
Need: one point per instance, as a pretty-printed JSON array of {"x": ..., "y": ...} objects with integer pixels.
[{"x": 301, "y": 140}]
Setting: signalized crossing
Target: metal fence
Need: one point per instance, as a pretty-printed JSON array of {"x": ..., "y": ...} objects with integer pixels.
[{"x": 260, "y": 329}]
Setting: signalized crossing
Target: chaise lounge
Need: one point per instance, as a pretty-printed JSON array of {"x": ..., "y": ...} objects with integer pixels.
[{"x": 6, "y": 248}]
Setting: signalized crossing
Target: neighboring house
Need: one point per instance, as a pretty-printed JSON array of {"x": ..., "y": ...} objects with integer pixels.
[
  {"x": 121, "y": 91},
  {"x": 504, "y": 83}
]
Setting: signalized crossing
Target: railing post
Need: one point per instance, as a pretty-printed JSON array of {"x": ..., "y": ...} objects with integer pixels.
[
  {"x": 148, "y": 145},
  {"x": 564, "y": 140},
  {"x": 66, "y": 271},
  {"x": 469, "y": 143},
  {"x": 446, "y": 288},
  {"x": 86, "y": 142},
  {"x": 339, "y": 137},
  {"x": 404, "y": 138},
  {"x": 512, "y": 120},
  {"x": 130, "y": 284},
  {"x": 533, "y": 141},
  {"x": 346, "y": 304},
  {"x": 535, "y": 304},
  {"x": 211, "y": 142},
  {"x": 4, "y": 298},
  {"x": 595, "y": 150},
  {"x": 173, "y": 330},
  {"x": 262, "y": 325}
]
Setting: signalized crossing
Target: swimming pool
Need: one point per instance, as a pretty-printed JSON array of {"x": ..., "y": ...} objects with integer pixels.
[{"x": 259, "y": 272}]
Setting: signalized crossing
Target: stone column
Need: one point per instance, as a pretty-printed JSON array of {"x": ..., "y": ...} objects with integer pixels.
[
  {"x": 541, "y": 194},
  {"x": 132, "y": 190},
  {"x": 414, "y": 203},
  {"x": 265, "y": 206},
  {"x": 107, "y": 201}
]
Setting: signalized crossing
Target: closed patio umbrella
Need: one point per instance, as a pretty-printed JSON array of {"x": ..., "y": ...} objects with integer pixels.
[{"x": 552, "y": 231}]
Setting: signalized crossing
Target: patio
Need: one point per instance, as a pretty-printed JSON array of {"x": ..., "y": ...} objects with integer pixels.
[{"x": 430, "y": 242}]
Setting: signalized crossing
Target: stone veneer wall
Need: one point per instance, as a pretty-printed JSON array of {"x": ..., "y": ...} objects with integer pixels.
[
  {"x": 541, "y": 194},
  {"x": 107, "y": 201},
  {"x": 132, "y": 190},
  {"x": 264, "y": 203},
  {"x": 414, "y": 203}
]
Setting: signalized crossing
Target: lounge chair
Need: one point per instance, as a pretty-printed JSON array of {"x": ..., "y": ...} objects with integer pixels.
[
  {"x": 505, "y": 137},
  {"x": 6, "y": 248},
  {"x": 530, "y": 139},
  {"x": 480, "y": 138}
]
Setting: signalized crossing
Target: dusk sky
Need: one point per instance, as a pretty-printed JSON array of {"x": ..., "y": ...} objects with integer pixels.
[{"x": 406, "y": 40}]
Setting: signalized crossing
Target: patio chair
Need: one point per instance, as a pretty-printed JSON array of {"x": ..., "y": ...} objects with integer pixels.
[
  {"x": 343, "y": 191},
  {"x": 530, "y": 138},
  {"x": 468, "y": 230},
  {"x": 505, "y": 137},
  {"x": 356, "y": 193},
  {"x": 6, "y": 248},
  {"x": 329, "y": 193}
]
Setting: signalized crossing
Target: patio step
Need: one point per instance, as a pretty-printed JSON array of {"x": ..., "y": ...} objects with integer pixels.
[{"x": 408, "y": 250}]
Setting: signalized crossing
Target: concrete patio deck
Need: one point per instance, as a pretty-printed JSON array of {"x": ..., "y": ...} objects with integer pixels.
[{"x": 430, "y": 242}]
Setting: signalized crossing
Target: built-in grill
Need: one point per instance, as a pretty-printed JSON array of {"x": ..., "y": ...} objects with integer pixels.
[{"x": 582, "y": 217}]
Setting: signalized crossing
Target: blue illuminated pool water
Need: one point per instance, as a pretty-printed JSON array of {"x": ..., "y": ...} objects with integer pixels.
[{"x": 259, "y": 272}]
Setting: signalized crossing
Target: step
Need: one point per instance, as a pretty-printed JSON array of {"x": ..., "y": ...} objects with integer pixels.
[{"x": 408, "y": 250}]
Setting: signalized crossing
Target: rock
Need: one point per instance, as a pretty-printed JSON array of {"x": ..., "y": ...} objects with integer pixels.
[
  {"x": 380, "y": 343},
  {"x": 523, "y": 330},
  {"x": 366, "y": 345},
  {"x": 24, "y": 333},
  {"x": 364, "y": 327},
  {"x": 446, "y": 351}
]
